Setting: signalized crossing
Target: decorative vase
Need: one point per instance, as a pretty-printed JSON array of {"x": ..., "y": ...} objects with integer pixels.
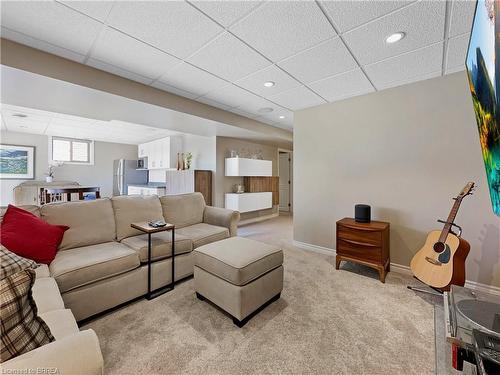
[
  {"x": 178, "y": 162},
  {"x": 183, "y": 165},
  {"x": 49, "y": 179}
]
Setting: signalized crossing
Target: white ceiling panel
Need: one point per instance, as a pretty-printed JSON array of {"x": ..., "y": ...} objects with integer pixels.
[
  {"x": 229, "y": 58},
  {"x": 243, "y": 113},
  {"x": 226, "y": 12},
  {"x": 95, "y": 9},
  {"x": 349, "y": 14},
  {"x": 118, "y": 71},
  {"x": 232, "y": 96},
  {"x": 279, "y": 29},
  {"x": 255, "y": 81},
  {"x": 189, "y": 78},
  {"x": 462, "y": 14},
  {"x": 274, "y": 117},
  {"x": 36, "y": 121},
  {"x": 412, "y": 80},
  {"x": 213, "y": 103},
  {"x": 407, "y": 66},
  {"x": 324, "y": 60},
  {"x": 255, "y": 104},
  {"x": 457, "y": 50},
  {"x": 343, "y": 85},
  {"x": 173, "y": 26},
  {"x": 51, "y": 22},
  {"x": 41, "y": 45},
  {"x": 174, "y": 90},
  {"x": 118, "y": 49},
  {"x": 297, "y": 98},
  {"x": 423, "y": 23}
]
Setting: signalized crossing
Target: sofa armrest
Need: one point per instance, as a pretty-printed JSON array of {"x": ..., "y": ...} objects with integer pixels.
[
  {"x": 73, "y": 355},
  {"x": 223, "y": 218}
]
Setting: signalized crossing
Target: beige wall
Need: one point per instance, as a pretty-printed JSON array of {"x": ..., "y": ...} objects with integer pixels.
[
  {"x": 405, "y": 151},
  {"x": 100, "y": 174},
  {"x": 225, "y": 184}
]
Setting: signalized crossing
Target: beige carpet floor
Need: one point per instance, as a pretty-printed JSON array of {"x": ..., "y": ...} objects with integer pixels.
[{"x": 326, "y": 322}]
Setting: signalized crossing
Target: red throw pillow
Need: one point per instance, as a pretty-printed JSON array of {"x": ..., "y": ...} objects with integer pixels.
[{"x": 29, "y": 236}]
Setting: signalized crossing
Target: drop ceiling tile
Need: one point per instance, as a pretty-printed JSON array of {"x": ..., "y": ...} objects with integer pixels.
[
  {"x": 41, "y": 45},
  {"x": 174, "y": 90},
  {"x": 256, "y": 104},
  {"x": 279, "y": 29},
  {"x": 95, "y": 9},
  {"x": 274, "y": 117},
  {"x": 407, "y": 66},
  {"x": 51, "y": 22},
  {"x": 255, "y": 81},
  {"x": 173, "y": 26},
  {"x": 297, "y": 98},
  {"x": 120, "y": 50},
  {"x": 229, "y": 58},
  {"x": 232, "y": 96},
  {"x": 243, "y": 113},
  {"x": 118, "y": 71},
  {"x": 349, "y": 14},
  {"x": 322, "y": 61},
  {"x": 423, "y": 23},
  {"x": 226, "y": 12},
  {"x": 457, "y": 50},
  {"x": 462, "y": 14},
  {"x": 343, "y": 85},
  {"x": 192, "y": 79}
]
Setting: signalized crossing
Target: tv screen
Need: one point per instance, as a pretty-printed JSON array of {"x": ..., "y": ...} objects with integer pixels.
[{"x": 483, "y": 71}]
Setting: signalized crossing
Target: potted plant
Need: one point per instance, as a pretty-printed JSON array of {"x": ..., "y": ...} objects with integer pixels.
[{"x": 50, "y": 172}]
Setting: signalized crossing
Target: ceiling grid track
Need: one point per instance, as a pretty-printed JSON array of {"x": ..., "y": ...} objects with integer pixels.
[{"x": 446, "y": 36}]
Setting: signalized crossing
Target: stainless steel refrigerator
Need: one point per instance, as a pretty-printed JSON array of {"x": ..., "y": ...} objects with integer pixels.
[{"x": 125, "y": 173}]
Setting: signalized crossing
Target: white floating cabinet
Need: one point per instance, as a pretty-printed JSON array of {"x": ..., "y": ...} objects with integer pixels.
[
  {"x": 248, "y": 167},
  {"x": 247, "y": 202}
]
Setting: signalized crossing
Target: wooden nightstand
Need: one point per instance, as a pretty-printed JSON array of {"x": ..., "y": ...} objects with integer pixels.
[{"x": 365, "y": 243}]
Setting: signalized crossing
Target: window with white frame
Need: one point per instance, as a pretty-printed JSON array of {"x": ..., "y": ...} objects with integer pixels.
[{"x": 70, "y": 150}]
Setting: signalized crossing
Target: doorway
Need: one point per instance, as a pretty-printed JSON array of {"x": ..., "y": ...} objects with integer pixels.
[{"x": 285, "y": 170}]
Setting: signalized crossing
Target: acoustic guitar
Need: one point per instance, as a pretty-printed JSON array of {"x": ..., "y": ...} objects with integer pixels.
[{"x": 441, "y": 261}]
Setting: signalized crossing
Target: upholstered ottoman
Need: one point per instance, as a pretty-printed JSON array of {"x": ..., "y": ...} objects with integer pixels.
[{"x": 239, "y": 275}]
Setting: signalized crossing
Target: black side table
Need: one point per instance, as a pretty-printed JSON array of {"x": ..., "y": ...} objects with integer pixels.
[{"x": 146, "y": 228}]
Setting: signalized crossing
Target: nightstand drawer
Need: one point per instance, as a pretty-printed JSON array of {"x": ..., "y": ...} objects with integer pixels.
[
  {"x": 359, "y": 250},
  {"x": 359, "y": 235}
]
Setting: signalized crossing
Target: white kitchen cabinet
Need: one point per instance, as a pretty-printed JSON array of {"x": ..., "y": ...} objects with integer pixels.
[
  {"x": 161, "y": 153},
  {"x": 248, "y": 167},
  {"x": 247, "y": 202}
]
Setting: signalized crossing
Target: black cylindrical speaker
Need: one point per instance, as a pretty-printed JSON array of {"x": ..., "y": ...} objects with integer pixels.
[{"x": 362, "y": 213}]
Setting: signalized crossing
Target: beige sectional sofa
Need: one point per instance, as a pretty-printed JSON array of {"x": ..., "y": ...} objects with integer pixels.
[
  {"x": 102, "y": 261},
  {"x": 74, "y": 352}
]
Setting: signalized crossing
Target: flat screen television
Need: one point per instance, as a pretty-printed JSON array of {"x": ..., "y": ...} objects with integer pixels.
[{"x": 483, "y": 70}]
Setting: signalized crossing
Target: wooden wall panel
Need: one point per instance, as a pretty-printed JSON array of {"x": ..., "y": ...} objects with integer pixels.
[
  {"x": 203, "y": 184},
  {"x": 263, "y": 184}
]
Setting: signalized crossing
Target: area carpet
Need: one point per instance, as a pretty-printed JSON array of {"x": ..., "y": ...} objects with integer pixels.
[{"x": 326, "y": 322}]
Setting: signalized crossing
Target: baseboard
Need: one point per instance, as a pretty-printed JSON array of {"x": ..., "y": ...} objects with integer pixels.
[
  {"x": 399, "y": 268},
  {"x": 315, "y": 248},
  {"x": 257, "y": 219}
]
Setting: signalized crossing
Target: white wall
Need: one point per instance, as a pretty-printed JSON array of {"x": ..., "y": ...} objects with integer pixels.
[
  {"x": 100, "y": 174},
  {"x": 405, "y": 151}
]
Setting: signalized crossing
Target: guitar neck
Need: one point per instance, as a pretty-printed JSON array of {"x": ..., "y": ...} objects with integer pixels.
[{"x": 451, "y": 218}]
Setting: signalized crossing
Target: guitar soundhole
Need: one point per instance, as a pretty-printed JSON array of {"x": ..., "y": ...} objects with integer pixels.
[{"x": 439, "y": 247}]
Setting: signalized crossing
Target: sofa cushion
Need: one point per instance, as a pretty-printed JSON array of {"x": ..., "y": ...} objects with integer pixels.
[
  {"x": 46, "y": 295},
  {"x": 202, "y": 234},
  {"x": 183, "y": 210},
  {"x": 61, "y": 322},
  {"x": 161, "y": 245},
  {"x": 90, "y": 222},
  {"x": 238, "y": 260},
  {"x": 131, "y": 209},
  {"x": 29, "y": 236},
  {"x": 42, "y": 271},
  {"x": 22, "y": 329},
  {"x": 35, "y": 210},
  {"x": 11, "y": 263},
  {"x": 84, "y": 265}
]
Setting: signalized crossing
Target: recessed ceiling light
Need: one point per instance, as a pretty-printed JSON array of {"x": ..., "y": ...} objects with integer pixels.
[
  {"x": 282, "y": 117},
  {"x": 269, "y": 84},
  {"x": 265, "y": 110},
  {"x": 21, "y": 115},
  {"x": 396, "y": 37}
]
